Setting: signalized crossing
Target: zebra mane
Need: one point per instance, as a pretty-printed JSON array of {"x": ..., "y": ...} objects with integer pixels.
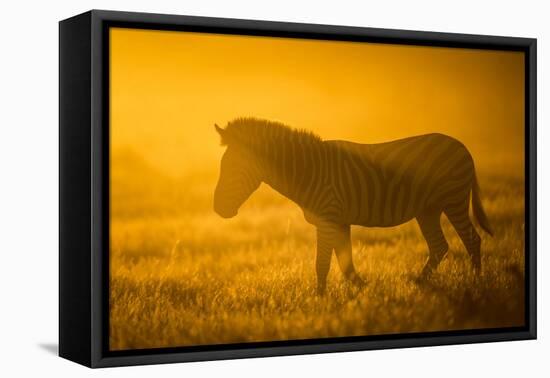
[{"x": 255, "y": 133}]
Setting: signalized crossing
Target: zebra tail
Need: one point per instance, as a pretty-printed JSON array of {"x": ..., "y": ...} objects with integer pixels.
[{"x": 479, "y": 213}]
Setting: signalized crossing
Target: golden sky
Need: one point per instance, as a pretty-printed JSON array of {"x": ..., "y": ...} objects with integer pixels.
[{"x": 168, "y": 88}]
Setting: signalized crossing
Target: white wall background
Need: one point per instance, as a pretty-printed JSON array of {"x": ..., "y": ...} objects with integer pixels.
[{"x": 29, "y": 185}]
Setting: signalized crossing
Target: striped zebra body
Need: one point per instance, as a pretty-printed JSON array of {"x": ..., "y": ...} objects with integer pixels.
[
  {"x": 387, "y": 184},
  {"x": 339, "y": 183}
]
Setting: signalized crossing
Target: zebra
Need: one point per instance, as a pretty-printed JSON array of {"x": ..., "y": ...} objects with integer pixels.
[{"x": 341, "y": 183}]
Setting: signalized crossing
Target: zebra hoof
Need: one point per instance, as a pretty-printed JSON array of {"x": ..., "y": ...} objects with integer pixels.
[
  {"x": 476, "y": 265},
  {"x": 423, "y": 277},
  {"x": 477, "y": 271},
  {"x": 358, "y": 282},
  {"x": 321, "y": 290}
]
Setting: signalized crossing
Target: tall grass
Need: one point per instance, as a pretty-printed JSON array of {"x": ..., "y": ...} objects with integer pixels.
[{"x": 182, "y": 276}]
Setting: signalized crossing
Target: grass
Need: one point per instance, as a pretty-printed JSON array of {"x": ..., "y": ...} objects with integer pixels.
[{"x": 183, "y": 276}]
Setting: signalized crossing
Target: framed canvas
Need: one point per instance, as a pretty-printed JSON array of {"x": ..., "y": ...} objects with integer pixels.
[{"x": 236, "y": 188}]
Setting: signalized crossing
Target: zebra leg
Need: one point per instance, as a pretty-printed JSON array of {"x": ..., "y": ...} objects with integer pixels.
[
  {"x": 460, "y": 219},
  {"x": 344, "y": 255},
  {"x": 326, "y": 236},
  {"x": 430, "y": 225}
]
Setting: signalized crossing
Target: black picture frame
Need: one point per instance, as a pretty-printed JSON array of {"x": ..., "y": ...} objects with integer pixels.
[{"x": 84, "y": 187}]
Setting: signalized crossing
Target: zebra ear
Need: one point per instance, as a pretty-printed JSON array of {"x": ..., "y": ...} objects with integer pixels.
[{"x": 221, "y": 132}]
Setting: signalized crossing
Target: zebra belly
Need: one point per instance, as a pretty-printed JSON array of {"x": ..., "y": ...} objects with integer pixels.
[
  {"x": 393, "y": 206},
  {"x": 384, "y": 223}
]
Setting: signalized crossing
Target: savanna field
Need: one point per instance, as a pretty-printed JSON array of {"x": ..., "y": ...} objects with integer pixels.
[{"x": 180, "y": 275}]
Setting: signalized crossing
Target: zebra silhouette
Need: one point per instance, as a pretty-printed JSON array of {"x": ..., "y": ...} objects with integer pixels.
[{"x": 339, "y": 183}]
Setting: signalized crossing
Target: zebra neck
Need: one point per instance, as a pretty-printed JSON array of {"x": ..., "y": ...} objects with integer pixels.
[{"x": 293, "y": 169}]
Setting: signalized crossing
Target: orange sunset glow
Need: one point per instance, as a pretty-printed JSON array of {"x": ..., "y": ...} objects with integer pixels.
[{"x": 181, "y": 275}]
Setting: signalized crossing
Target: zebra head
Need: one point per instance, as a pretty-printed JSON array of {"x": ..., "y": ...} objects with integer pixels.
[{"x": 239, "y": 176}]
